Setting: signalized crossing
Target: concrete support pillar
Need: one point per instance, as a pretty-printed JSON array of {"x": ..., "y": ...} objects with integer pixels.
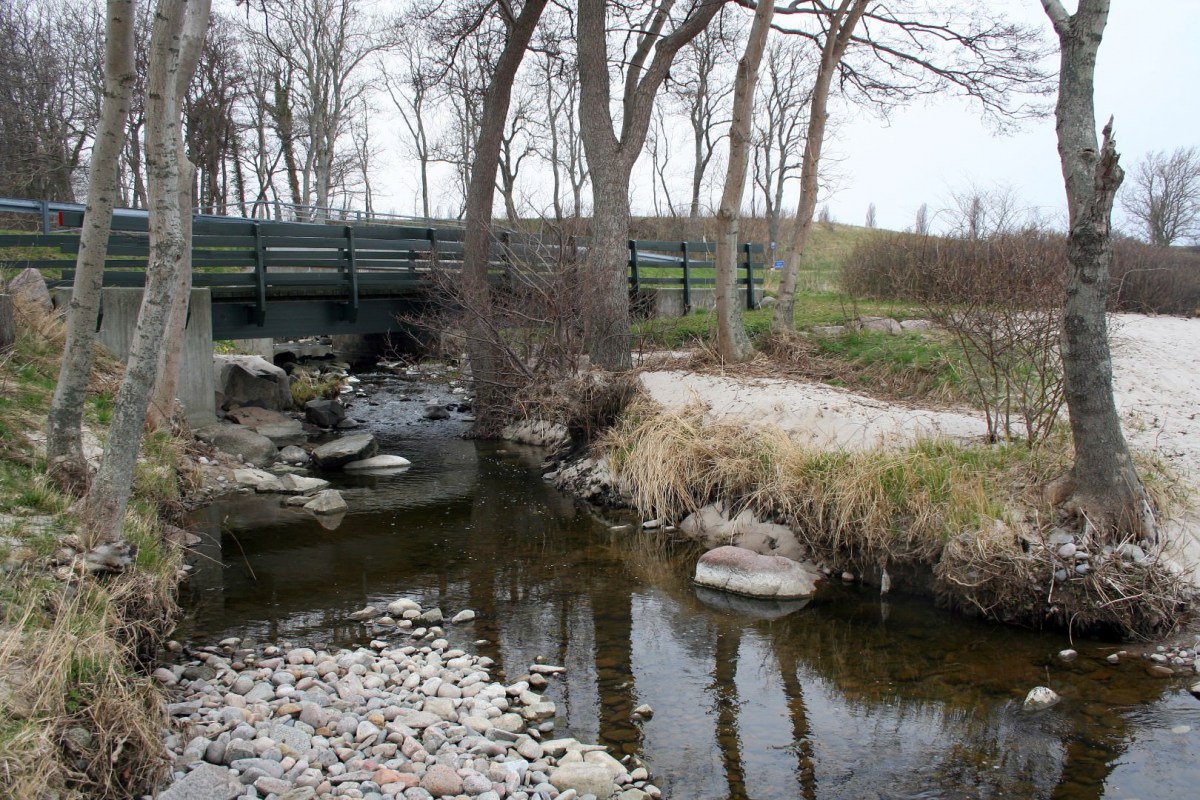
[{"x": 119, "y": 312}]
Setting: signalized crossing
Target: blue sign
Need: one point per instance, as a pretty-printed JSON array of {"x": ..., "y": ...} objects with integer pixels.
[{"x": 778, "y": 265}]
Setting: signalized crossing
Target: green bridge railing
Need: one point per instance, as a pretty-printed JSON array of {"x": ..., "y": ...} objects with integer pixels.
[{"x": 255, "y": 261}]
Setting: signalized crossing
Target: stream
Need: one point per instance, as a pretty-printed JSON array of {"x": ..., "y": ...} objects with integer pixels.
[{"x": 848, "y": 697}]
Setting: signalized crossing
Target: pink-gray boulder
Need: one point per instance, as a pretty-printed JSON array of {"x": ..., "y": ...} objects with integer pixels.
[{"x": 740, "y": 571}]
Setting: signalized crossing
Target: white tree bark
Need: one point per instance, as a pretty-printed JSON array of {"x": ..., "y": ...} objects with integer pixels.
[
  {"x": 64, "y": 447},
  {"x": 103, "y": 508},
  {"x": 162, "y": 401},
  {"x": 732, "y": 342}
]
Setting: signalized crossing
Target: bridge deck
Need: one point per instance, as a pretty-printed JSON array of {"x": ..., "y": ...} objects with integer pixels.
[{"x": 278, "y": 278}]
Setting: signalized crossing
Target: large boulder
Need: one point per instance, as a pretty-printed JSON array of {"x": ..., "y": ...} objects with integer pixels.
[
  {"x": 250, "y": 381},
  {"x": 378, "y": 464},
  {"x": 324, "y": 412},
  {"x": 339, "y": 452},
  {"x": 740, "y": 571},
  {"x": 328, "y": 501},
  {"x": 279, "y": 428},
  {"x": 712, "y": 526},
  {"x": 30, "y": 287},
  {"x": 584, "y": 778},
  {"x": 239, "y": 441}
]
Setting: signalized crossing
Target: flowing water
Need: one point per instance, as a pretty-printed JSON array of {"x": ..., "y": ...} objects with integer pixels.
[{"x": 847, "y": 697}]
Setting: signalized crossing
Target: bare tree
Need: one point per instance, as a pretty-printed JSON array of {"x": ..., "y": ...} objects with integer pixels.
[
  {"x": 1102, "y": 490},
  {"x": 412, "y": 94},
  {"x": 560, "y": 145},
  {"x": 488, "y": 359},
  {"x": 328, "y": 46},
  {"x": 515, "y": 146},
  {"x": 50, "y": 98},
  {"x": 732, "y": 342},
  {"x": 701, "y": 87},
  {"x": 870, "y": 220},
  {"x": 921, "y": 223},
  {"x": 103, "y": 507},
  {"x": 980, "y": 213},
  {"x": 465, "y": 73},
  {"x": 169, "y": 346},
  {"x": 783, "y": 91},
  {"x": 211, "y": 128},
  {"x": 658, "y": 143},
  {"x": 649, "y": 51},
  {"x": 64, "y": 437},
  {"x": 1163, "y": 196},
  {"x": 901, "y": 50}
]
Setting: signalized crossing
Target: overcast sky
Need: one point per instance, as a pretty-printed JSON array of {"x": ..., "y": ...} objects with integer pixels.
[{"x": 1147, "y": 77}]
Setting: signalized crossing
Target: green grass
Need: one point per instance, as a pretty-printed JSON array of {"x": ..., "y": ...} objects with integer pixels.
[
  {"x": 812, "y": 309},
  {"x": 931, "y": 366}
]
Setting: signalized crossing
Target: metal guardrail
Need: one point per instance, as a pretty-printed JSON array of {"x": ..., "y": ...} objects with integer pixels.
[{"x": 240, "y": 255}]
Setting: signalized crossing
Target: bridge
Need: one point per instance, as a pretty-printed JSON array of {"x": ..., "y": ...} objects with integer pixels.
[{"x": 278, "y": 279}]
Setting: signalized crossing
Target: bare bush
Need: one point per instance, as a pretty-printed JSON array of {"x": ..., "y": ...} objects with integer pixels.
[
  {"x": 1000, "y": 298},
  {"x": 1155, "y": 280},
  {"x": 530, "y": 321}
]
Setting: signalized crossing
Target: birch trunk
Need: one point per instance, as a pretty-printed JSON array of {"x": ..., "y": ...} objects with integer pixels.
[
  {"x": 842, "y": 23},
  {"x": 1102, "y": 488},
  {"x": 162, "y": 400},
  {"x": 103, "y": 508},
  {"x": 64, "y": 442},
  {"x": 732, "y": 342}
]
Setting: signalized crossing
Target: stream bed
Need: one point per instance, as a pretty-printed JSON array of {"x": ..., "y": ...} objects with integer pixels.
[{"x": 847, "y": 697}]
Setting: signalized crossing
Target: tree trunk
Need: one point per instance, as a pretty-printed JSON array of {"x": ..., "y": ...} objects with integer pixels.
[
  {"x": 1103, "y": 487},
  {"x": 8, "y": 324},
  {"x": 486, "y": 354},
  {"x": 732, "y": 342},
  {"x": 841, "y": 26},
  {"x": 611, "y": 158},
  {"x": 162, "y": 402},
  {"x": 103, "y": 508},
  {"x": 606, "y": 332},
  {"x": 64, "y": 438}
]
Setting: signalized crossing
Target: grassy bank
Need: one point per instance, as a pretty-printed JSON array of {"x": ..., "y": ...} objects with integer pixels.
[
  {"x": 78, "y": 715},
  {"x": 965, "y": 523},
  {"x": 929, "y": 366}
]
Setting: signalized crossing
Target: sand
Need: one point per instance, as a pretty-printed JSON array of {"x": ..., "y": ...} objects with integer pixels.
[{"x": 1156, "y": 382}]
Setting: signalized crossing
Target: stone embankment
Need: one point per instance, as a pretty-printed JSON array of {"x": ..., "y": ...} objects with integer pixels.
[{"x": 418, "y": 720}]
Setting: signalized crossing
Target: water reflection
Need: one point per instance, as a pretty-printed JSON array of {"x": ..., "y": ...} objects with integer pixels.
[{"x": 841, "y": 698}]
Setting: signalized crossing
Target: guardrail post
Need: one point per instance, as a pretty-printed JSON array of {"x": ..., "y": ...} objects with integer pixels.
[
  {"x": 750, "y": 304},
  {"x": 44, "y": 207},
  {"x": 633, "y": 266},
  {"x": 259, "y": 312},
  {"x": 352, "y": 259},
  {"x": 687, "y": 279}
]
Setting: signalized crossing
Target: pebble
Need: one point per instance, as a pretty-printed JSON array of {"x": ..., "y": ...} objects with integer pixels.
[{"x": 412, "y": 719}]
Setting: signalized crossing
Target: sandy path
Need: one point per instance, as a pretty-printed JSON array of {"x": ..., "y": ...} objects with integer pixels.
[
  {"x": 1156, "y": 382},
  {"x": 1156, "y": 377}
]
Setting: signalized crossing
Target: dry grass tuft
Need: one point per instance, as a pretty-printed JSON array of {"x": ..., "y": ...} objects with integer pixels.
[
  {"x": 954, "y": 513},
  {"x": 78, "y": 718},
  {"x": 77, "y": 721}
]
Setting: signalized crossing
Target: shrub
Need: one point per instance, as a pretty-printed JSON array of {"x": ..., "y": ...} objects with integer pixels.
[{"x": 1001, "y": 299}]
